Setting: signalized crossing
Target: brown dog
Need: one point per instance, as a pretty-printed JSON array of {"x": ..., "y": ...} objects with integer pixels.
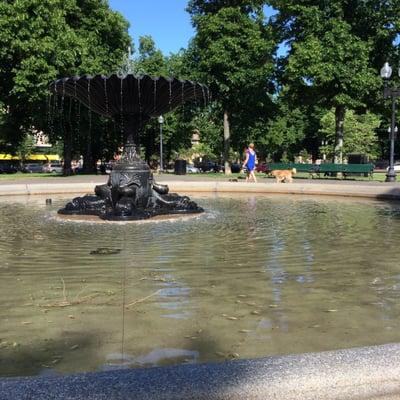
[{"x": 284, "y": 175}]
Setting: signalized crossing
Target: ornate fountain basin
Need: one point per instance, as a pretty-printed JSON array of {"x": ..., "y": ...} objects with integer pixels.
[{"x": 131, "y": 100}]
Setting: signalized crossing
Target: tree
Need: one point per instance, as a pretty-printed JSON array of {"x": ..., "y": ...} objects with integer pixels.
[
  {"x": 284, "y": 132},
  {"x": 47, "y": 39},
  {"x": 232, "y": 52},
  {"x": 180, "y": 123},
  {"x": 361, "y": 134},
  {"x": 151, "y": 60},
  {"x": 25, "y": 148},
  {"x": 335, "y": 48}
]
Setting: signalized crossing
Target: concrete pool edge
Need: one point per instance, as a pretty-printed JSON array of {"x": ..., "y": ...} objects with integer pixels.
[
  {"x": 383, "y": 192},
  {"x": 358, "y": 373}
]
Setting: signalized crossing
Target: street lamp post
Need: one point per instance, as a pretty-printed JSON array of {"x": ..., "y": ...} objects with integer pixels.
[
  {"x": 161, "y": 121},
  {"x": 324, "y": 143},
  {"x": 393, "y": 93}
]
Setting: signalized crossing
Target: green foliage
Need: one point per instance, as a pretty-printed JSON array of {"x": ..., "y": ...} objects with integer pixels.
[
  {"x": 335, "y": 50},
  {"x": 199, "y": 150},
  {"x": 284, "y": 132},
  {"x": 46, "y": 39},
  {"x": 204, "y": 7},
  {"x": 206, "y": 122},
  {"x": 151, "y": 60},
  {"x": 178, "y": 128},
  {"x": 284, "y": 157},
  {"x": 336, "y": 64},
  {"x": 233, "y": 53},
  {"x": 360, "y": 134},
  {"x": 179, "y": 124},
  {"x": 25, "y": 147}
]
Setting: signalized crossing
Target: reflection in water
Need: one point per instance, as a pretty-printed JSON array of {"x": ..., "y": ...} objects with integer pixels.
[
  {"x": 253, "y": 276},
  {"x": 154, "y": 358}
]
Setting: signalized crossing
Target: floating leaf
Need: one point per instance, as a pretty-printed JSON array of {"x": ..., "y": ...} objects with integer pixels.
[{"x": 105, "y": 251}]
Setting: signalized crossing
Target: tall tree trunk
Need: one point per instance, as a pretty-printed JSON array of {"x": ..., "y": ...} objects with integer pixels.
[
  {"x": 227, "y": 139},
  {"x": 340, "y": 112}
]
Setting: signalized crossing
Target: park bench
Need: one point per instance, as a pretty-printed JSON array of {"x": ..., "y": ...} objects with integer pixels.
[
  {"x": 346, "y": 169},
  {"x": 299, "y": 167},
  {"x": 326, "y": 169}
]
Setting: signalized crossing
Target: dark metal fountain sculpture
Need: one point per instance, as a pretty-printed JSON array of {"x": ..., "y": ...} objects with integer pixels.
[{"x": 131, "y": 100}]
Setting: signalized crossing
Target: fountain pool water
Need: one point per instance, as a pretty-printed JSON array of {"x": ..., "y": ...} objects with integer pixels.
[{"x": 250, "y": 277}]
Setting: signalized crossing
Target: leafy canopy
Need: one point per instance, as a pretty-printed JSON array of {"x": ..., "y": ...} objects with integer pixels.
[
  {"x": 361, "y": 134},
  {"x": 47, "y": 39}
]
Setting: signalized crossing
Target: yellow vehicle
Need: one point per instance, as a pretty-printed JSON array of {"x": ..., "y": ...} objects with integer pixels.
[{"x": 11, "y": 163}]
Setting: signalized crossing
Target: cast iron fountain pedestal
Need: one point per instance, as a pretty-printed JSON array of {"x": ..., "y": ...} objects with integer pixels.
[{"x": 130, "y": 193}]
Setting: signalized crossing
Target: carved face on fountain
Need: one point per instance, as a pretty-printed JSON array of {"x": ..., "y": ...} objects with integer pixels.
[{"x": 131, "y": 100}]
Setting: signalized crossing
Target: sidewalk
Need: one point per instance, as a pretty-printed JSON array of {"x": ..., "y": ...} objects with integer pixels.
[{"x": 81, "y": 184}]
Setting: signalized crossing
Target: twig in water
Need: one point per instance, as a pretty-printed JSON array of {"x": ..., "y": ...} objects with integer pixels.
[
  {"x": 64, "y": 290},
  {"x": 143, "y": 299}
]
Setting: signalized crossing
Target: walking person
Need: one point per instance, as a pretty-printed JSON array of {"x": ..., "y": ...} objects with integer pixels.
[{"x": 250, "y": 163}]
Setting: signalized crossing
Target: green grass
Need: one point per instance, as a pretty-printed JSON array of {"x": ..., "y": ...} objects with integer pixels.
[
  {"x": 377, "y": 176},
  {"x": 21, "y": 175}
]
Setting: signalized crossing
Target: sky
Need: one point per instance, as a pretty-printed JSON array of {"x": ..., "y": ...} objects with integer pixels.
[{"x": 166, "y": 21}]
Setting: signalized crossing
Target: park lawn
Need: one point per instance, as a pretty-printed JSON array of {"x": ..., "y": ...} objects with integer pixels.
[
  {"x": 22, "y": 175},
  {"x": 376, "y": 177}
]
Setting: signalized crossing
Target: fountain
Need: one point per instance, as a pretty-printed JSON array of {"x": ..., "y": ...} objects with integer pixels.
[{"x": 131, "y": 192}]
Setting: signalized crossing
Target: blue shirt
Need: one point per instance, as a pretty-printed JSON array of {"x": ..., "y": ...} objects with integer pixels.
[{"x": 251, "y": 163}]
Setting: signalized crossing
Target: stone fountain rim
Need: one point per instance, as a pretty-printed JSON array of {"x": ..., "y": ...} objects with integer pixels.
[
  {"x": 365, "y": 190},
  {"x": 370, "y": 372}
]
